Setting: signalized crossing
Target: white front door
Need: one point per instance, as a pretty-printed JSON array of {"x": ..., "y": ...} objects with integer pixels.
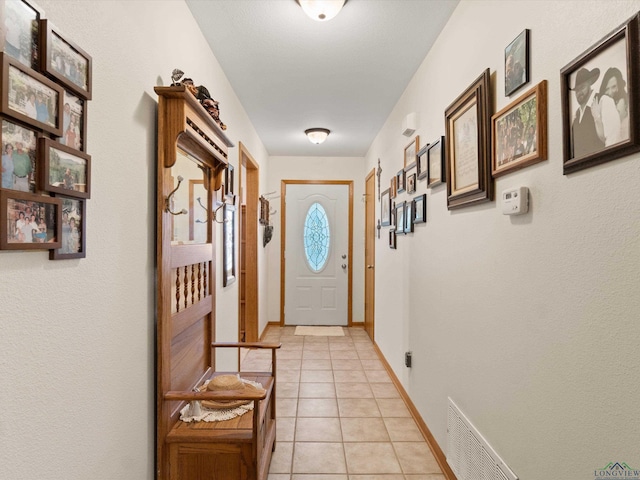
[{"x": 316, "y": 254}]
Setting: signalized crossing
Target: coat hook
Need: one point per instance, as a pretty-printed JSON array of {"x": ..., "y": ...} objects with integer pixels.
[{"x": 167, "y": 201}]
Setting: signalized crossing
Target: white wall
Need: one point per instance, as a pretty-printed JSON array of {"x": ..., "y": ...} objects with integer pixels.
[
  {"x": 77, "y": 336},
  {"x": 529, "y": 323},
  {"x": 316, "y": 168}
]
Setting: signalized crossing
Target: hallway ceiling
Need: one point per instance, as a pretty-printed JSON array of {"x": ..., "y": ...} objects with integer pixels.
[{"x": 292, "y": 73}]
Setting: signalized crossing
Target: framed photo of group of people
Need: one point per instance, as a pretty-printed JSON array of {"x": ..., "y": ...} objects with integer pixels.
[{"x": 45, "y": 84}]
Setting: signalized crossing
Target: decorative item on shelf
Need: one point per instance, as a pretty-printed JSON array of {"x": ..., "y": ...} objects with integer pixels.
[{"x": 201, "y": 93}]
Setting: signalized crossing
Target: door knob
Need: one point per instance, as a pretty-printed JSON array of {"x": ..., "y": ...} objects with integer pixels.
[{"x": 370, "y": 266}]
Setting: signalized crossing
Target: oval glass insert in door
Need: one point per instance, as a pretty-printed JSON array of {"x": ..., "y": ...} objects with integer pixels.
[{"x": 317, "y": 237}]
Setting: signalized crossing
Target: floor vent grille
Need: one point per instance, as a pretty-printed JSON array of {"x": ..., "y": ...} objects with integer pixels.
[{"x": 468, "y": 453}]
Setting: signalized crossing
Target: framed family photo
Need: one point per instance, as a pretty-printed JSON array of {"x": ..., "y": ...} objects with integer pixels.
[
  {"x": 228, "y": 245},
  {"x": 74, "y": 122},
  {"x": 468, "y": 145},
  {"x": 419, "y": 209},
  {"x": 400, "y": 182},
  {"x": 435, "y": 162},
  {"x": 519, "y": 132},
  {"x": 30, "y": 222},
  {"x": 516, "y": 63},
  {"x": 73, "y": 230},
  {"x": 410, "y": 177},
  {"x": 385, "y": 208},
  {"x": 65, "y": 61},
  {"x": 19, "y": 154},
  {"x": 65, "y": 170},
  {"x": 411, "y": 151},
  {"x": 422, "y": 163},
  {"x": 30, "y": 97},
  {"x": 19, "y": 27},
  {"x": 600, "y": 101},
  {"x": 399, "y": 216}
]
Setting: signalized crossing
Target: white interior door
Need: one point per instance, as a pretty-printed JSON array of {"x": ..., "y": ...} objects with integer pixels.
[{"x": 316, "y": 254}]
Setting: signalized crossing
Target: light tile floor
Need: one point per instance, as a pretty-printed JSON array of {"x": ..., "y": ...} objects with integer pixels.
[{"x": 339, "y": 416}]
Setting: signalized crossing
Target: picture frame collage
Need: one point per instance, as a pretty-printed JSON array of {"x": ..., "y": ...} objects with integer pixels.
[
  {"x": 45, "y": 85},
  {"x": 600, "y": 110}
]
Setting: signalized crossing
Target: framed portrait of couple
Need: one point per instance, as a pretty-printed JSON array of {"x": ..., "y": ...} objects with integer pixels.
[{"x": 600, "y": 101}]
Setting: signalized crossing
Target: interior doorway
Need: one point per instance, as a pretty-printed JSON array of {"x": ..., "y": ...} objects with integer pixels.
[
  {"x": 316, "y": 253},
  {"x": 370, "y": 253},
  {"x": 248, "y": 183}
]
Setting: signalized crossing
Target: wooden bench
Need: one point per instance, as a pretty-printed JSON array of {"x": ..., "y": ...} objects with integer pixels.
[{"x": 236, "y": 449}]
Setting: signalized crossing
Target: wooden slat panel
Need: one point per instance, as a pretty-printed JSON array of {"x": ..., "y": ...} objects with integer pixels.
[
  {"x": 189, "y": 356},
  {"x": 186, "y": 318},
  {"x": 182, "y": 255}
]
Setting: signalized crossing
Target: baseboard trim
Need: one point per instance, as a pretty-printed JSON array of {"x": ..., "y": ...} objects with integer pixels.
[{"x": 426, "y": 433}]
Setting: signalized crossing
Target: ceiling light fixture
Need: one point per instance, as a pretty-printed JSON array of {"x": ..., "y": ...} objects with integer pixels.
[
  {"x": 321, "y": 10},
  {"x": 317, "y": 135}
]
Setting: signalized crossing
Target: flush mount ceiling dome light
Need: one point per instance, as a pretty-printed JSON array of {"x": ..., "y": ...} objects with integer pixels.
[
  {"x": 321, "y": 10},
  {"x": 317, "y": 135}
]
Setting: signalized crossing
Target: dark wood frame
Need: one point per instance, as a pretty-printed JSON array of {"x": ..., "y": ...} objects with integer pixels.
[
  {"x": 47, "y": 33},
  {"x": 393, "y": 244},
  {"x": 229, "y": 238},
  {"x": 524, "y": 38},
  {"x": 628, "y": 33},
  {"x": 422, "y": 163},
  {"x": 408, "y": 217},
  {"x": 7, "y": 63},
  {"x": 229, "y": 177},
  {"x": 411, "y": 183},
  {"x": 83, "y": 119},
  {"x": 399, "y": 222},
  {"x": 393, "y": 188},
  {"x": 415, "y": 144},
  {"x": 432, "y": 158},
  {"x": 56, "y": 254},
  {"x": 477, "y": 95},
  {"x": 35, "y": 35},
  {"x": 37, "y": 134},
  {"x": 419, "y": 205},
  {"x": 385, "y": 198},
  {"x": 400, "y": 181},
  {"x": 44, "y": 154},
  {"x": 539, "y": 93},
  {"x": 5, "y": 195}
]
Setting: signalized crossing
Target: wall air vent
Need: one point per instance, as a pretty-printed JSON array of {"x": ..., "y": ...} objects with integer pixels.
[{"x": 468, "y": 453}]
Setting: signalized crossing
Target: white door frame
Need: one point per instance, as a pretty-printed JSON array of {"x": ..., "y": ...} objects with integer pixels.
[{"x": 283, "y": 234}]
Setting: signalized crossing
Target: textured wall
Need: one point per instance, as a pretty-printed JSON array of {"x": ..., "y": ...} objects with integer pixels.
[
  {"x": 529, "y": 323},
  {"x": 77, "y": 336}
]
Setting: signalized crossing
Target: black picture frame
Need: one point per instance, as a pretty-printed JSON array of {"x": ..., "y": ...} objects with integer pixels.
[
  {"x": 408, "y": 217},
  {"x": 64, "y": 61},
  {"x": 592, "y": 133},
  {"x": 393, "y": 245},
  {"x": 419, "y": 209},
  {"x": 73, "y": 229},
  {"x": 399, "y": 216},
  {"x": 436, "y": 162},
  {"x": 228, "y": 245},
  {"x": 516, "y": 63},
  {"x": 229, "y": 176},
  {"x": 385, "y": 208},
  {"x": 468, "y": 145},
  {"x": 422, "y": 165},
  {"x": 400, "y": 181}
]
